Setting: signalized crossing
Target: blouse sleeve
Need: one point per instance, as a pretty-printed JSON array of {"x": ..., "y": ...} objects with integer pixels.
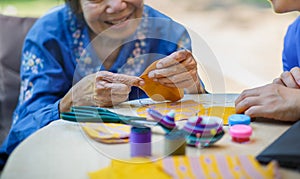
[
  {"x": 290, "y": 54},
  {"x": 43, "y": 84}
]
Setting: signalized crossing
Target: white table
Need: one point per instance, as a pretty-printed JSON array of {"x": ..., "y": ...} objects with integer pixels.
[{"x": 62, "y": 150}]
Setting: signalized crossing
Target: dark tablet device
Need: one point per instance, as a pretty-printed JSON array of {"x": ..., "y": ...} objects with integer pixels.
[{"x": 285, "y": 149}]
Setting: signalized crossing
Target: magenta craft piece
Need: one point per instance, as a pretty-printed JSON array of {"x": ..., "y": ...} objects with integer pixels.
[
  {"x": 240, "y": 133},
  {"x": 203, "y": 131},
  {"x": 202, "y": 125},
  {"x": 167, "y": 121}
]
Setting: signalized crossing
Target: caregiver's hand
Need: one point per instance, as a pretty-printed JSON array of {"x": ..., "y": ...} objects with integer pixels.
[
  {"x": 290, "y": 78},
  {"x": 178, "y": 70},
  {"x": 101, "y": 89},
  {"x": 270, "y": 101}
]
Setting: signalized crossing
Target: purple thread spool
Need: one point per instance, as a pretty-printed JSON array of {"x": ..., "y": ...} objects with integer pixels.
[{"x": 140, "y": 141}]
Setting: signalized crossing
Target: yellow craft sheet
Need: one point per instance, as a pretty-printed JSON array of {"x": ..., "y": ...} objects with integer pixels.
[
  {"x": 189, "y": 108},
  {"x": 218, "y": 166},
  {"x": 107, "y": 132},
  {"x": 183, "y": 109},
  {"x": 220, "y": 111},
  {"x": 205, "y": 166},
  {"x": 135, "y": 168}
]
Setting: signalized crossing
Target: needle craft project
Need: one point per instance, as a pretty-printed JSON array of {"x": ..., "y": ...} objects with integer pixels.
[
  {"x": 187, "y": 109},
  {"x": 183, "y": 109},
  {"x": 157, "y": 91}
]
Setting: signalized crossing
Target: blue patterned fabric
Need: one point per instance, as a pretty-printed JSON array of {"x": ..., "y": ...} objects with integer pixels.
[{"x": 57, "y": 54}]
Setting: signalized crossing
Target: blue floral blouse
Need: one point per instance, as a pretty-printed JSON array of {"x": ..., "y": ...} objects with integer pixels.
[{"x": 57, "y": 54}]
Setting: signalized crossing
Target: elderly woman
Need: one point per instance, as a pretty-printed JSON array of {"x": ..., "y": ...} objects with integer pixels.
[{"x": 91, "y": 52}]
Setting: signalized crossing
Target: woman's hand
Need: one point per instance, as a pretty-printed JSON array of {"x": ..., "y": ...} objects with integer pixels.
[
  {"x": 270, "y": 101},
  {"x": 101, "y": 89},
  {"x": 178, "y": 70},
  {"x": 112, "y": 88},
  {"x": 290, "y": 79}
]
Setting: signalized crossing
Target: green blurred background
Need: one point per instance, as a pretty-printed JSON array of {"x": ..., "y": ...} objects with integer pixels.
[
  {"x": 35, "y": 8},
  {"x": 32, "y": 8}
]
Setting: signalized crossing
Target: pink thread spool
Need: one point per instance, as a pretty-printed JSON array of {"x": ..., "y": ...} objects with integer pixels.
[{"x": 240, "y": 133}]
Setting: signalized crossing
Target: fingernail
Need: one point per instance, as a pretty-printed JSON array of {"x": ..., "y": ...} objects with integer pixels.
[
  {"x": 142, "y": 83},
  {"x": 156, "y": 80},
  {"x": 151, "y": 75},
  {"x": 159, "y": 65}
]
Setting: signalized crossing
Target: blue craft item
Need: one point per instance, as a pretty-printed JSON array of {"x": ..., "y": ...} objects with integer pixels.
[
  {"x": 203, "y": 131},
  {"x": 140, "y": 141},
  {"x": 167, "y": 121},
  {"x": 239, "y": 119}
]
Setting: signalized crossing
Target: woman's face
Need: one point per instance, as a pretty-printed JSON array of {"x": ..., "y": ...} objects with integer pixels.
[
  {"x": 281, "y": 6},
  {"x": 114, "y": 15}
]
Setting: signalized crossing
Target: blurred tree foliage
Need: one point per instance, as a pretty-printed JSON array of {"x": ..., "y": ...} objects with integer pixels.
[
  {"x": 33, "y": 8},
  {"x": 260, "y": 3}
]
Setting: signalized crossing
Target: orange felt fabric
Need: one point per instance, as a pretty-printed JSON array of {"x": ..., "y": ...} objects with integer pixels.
[{"x": 157, "y": 91}]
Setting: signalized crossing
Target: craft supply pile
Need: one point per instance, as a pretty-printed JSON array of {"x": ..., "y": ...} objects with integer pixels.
[{"x": 184, "y": 124}]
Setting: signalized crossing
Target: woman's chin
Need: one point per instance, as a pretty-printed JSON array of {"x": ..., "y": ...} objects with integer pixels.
[{"x": 122, "y": 30}]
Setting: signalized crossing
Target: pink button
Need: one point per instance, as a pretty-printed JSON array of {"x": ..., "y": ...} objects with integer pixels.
[{"x": 240, "y": 133}]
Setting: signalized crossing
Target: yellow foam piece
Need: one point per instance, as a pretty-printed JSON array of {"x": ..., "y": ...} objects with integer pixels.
[
  {"x": 219, "y": 111},
  {"x": 107, "y": 132},
  {"x": 183, "y": 109},
  {"x": 135, "y": 168},
  {"x": 204, "y": 166},
  {"x": 189, "y": 108}
]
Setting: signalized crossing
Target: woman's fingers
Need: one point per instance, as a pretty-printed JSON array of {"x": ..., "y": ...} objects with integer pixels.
[
  {"x": 296, "y": 75},
  {"x": 246, "y": 103},
  {"x": 176, "y": 70},
  {"x": 278, "y": 81},
  {"x": 288, "y": 80},
  {"x": 181, "y": 80},
  {"x": 172, "y": 59},
  {"x": 111, "y": 88},
  {"x": 119, "y": 78},
  {"x": 247, "y": 93}
]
